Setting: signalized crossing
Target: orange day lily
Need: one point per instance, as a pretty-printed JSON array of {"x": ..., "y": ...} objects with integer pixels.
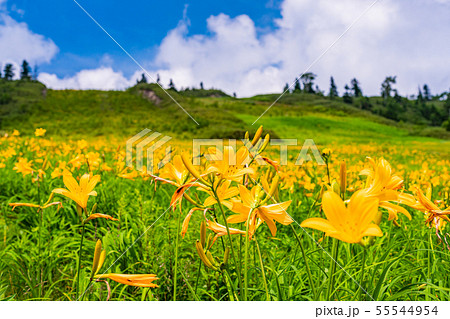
[
  {"x": 383, "y": 184},
  {"x": 39, "y": 207},
  {"x": 259, "y": 213},
  {"x": 79, "y": 192},
  {"x": 229, "y": 164},
  {"x": 221, "y": 230},
  {"x": 349, "y": 224},
  {"x": 23, "y": 166},
  {"x": 137, "y": 280},
  {"x": 175, "y": 171},
  {"x": 40, "y": 132},
  {"x": 433, "y": 214},
  {"x": 14, "y": 205},
  {"x": 224, "y": 192}
]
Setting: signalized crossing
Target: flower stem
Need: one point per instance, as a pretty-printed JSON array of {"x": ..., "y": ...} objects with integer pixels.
[
  {"x": 311, "y": 282},
  {"x": 176, "y": 259},
  {"x": 238, "y": 266},
  {"x": 361, "y": 278},
  {"x": 247, "y": 241},
  {"x": 228, "y": 283},
  {"x": 427, "y": 298},
  {"x": 80, "y": 252},
  {"x": 40, "y": 253},
  {"x": 198, "y": 275},
  {"x": 328, "y": 172},
  {"x": 334, "y": 253},
  {"x": 40, "y": 213},
  {"x": 262, "y": 271}
]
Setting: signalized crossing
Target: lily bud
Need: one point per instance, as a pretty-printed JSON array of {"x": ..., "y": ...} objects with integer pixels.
[
  {"x": 203, "y": 233},
  {"x": 80, "y": 212},
  {"x": 265, "y": 143},
  {"x": 203, "y": 257},
  {"x": 378, "y": 217},
  {"x": 257, "y": 135},
  {"x": 209, "y": 240},
  {"x": 101, "y": 261},
  {"x": 97, "y": 253},
  {"x": 335, "y": 187},
  {"x": 44, "y": 165},
  {"x": 343, "y": 177},
  {"x": 50, "y": 198},
  {"x": 211, "y": 258},
  {"x": 226, "y": 255},
  {"x": 272, "y": 189},
  {"x": 187, "y": 163},
  {"x": 274, "y": 185}
]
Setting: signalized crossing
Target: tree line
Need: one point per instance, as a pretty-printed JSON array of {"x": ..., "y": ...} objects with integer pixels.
[
  {"x": 423, "y": 108},
  {"x": 25, "y": 72}
]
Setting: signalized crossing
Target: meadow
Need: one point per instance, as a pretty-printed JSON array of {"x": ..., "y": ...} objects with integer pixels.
[{"x": 254, "y": 230}]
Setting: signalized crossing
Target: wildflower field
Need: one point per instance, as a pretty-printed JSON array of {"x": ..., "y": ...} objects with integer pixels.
[{"x": 78, "y": 224}]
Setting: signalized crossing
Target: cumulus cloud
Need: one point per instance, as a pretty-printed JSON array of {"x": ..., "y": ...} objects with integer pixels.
[
  {"x": 407, "y": 39},
  {"x": 19, "y": 43},
  {"x": 103, "y": 78},
  {"x": 386, "y": 41}
]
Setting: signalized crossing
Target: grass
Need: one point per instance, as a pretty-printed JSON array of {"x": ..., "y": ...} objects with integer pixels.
[
  {"x": 325, "y": 129},
  {"x": 39, "y": 253},
  {"x": 70, "y": 114}
]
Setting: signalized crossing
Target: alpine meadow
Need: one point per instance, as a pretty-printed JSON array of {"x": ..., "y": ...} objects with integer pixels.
[
  {"x": 215, "y": 159},
  {"x": 363, "y": 216}
]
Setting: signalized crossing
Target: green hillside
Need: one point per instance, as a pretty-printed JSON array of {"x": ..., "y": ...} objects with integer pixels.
[{"x": 26, "y": 105}]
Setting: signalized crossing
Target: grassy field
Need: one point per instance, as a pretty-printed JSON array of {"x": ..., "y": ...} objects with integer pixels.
[{"x": 48, "y": 251}]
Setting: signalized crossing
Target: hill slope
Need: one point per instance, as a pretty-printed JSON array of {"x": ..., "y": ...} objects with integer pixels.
[{"x": 71, "y": 114}]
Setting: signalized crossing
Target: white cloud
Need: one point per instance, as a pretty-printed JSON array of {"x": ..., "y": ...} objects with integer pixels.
[
  {"x": 103, "y": 78},
  {"x": 19, "y": 43},
  {"x": 407, "y": 39},
  {"x": 390, "y": 39}
]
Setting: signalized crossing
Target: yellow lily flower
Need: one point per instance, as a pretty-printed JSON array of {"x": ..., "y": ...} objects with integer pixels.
[
  {"x": 175, "y": 171},
  {"x": 259, "y": 213},
  {"x": 221, "y": 230},
  {"x": 145, "y": 280},
  {"x": 98, "y": 215},
  {"x": 383, "y": 184},
  {"x": 40, "y": 132},
  {"x": 349, "y": 224},
  {"x": 79, "y": 192},
  {"x": 433, "y": 214},
  {"x": 136, "y": 280},
  {"x": 184, "y": 226},
  {"x": 23, "y": 166},
  {"x": 228, "y": 164},
  {"x": 224, "y": 192},
  {"x": 14, "y": 205}
]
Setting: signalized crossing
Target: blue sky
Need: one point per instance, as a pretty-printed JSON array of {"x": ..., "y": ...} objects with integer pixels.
[
  {"x": 248, "y": 47},
  {"x": 139, "y": 26}
]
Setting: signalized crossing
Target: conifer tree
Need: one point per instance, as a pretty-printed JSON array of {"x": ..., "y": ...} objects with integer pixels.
[
  {"x": 333, "y": 89},
  {"x": 426, "y": 93},
  {"x": 9, "y": 72},
  {"x": 171, "y": 85},
  {"x": 297, "y": 88},
  {"x": 357, "y": 92},
  {"x": 25, "y": 73}
]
